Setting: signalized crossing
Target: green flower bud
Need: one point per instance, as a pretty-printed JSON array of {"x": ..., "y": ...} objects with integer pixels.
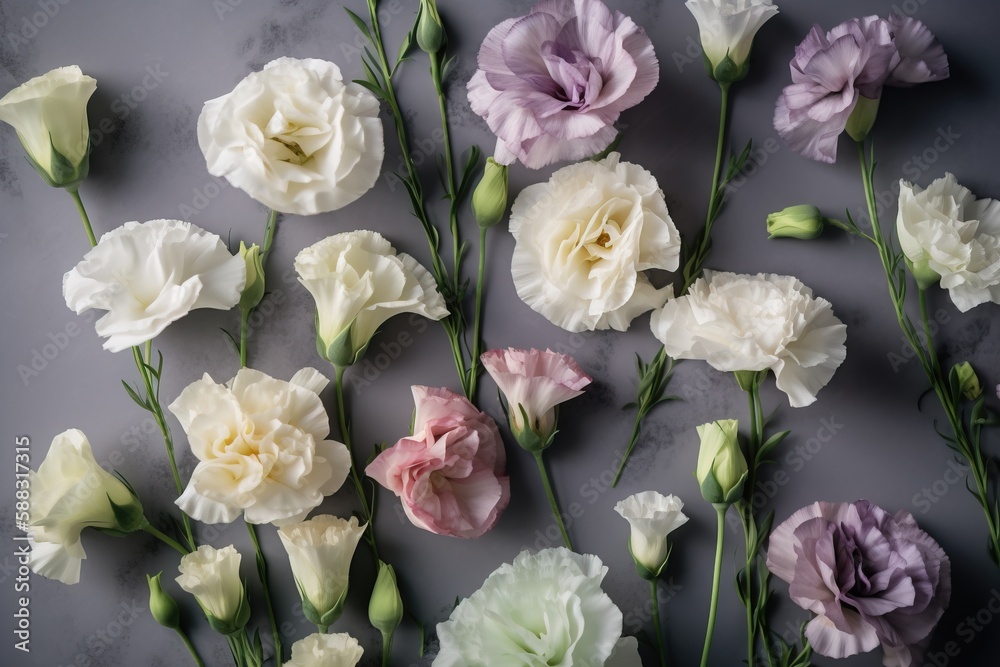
[
  {"x": 722, "y": 468},
  {"x": 385, "y": 609},
  {"x": 430, "y": 31},
  {"x": 253, "y": 292},
  {"x": 965, "y": 378},
  {"x": 163, "y": 607},
  {"x": 796, "y": 222},
  {"x": 489, "y": 200},
  {"x": 925, "y": 276},
  {"x": 862, "y": 119}
]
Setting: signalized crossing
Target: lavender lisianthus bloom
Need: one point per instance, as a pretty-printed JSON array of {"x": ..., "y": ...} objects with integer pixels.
[
  {"x": 871, "y": 578},
  {"x": 921, "y": 57},
  {"x": 831, "y": 73},
  {"x": 551, "y": 84}
]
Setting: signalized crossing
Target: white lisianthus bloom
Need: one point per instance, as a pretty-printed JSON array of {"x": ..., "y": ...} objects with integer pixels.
[
  {"x": 295, "y": 136},
  {"x": 262, "y": 448},
  {"x": 212, "y": 576},
  {"x": 652, "y": 517},
  {"x": 148, "y": 275},
  {"x": 583, "y": 240},
  {"x": 320, "y": 551},
  {"x": 545, "y": 608},
  {"x": 947, "y": 230},
  {"x": 325, "y": 650},
  {"x": 728, "y": 28},
  {"x": 49, "y": 113},
  {"x": 754, "y": 323},
  {"x": 359, "y": 281},
  {"x": 70, "y": 492}
]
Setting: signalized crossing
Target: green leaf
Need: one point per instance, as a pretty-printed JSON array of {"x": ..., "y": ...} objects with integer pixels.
[
  {"x": 133, "y": 394},
  {"x": 231, "y": 339},
  {"x": 769, "y": 445},
  {"x": 362, "y": 26},
  {"x": 372, "y": 88}
]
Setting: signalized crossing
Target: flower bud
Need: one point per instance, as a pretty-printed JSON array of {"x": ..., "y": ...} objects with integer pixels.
[
  {"x": 862, "y": 119},
  {"x": 253, "y": 292},
  {"x": 385, "y": 609},
  {"x": 722, "y": 468},
  {"x": 430, "y": 31},
  {"x": 489, "y": 200},
  {"x": 212, "y": 576},
  {"x": 923, "y": 274},
  {"x": 964, "y": 378},
  {"x": 796, "y": 222},
  {"x": 163, "y": 607}
]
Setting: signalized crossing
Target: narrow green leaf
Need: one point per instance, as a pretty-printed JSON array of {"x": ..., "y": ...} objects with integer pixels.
[{"x": 362, "y": 26}]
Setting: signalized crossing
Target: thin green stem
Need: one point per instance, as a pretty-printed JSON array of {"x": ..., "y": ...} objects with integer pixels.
[
  {"x": 477, "y": 340},
  {"x": 717, "y": 577},
  {"x": 270, "y": 227},
  {"x": 322, "y": 629},
  {"x": 547, "y": 483},
  {"x": 147, "y": 527},
  {"x": 262, "y": 571},
  {"x": 386, "y": 647},
  {"x": 345, "y": 435},
  {"x": 656, "y": 621},
  {"x": 633, "y": 439},
  {"x": 244, "y": 330},
  {"x": 75, "y": 194},
  {"x": 190, "y": 647},
  {"x": 451, "y": 182}
]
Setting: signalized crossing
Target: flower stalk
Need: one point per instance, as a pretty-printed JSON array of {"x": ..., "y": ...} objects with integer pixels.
[
  {"x": 720, "y": 510},
  {"x": 262, "y": 573},
  {"x": 367, "y": 507},
  {"x": 553, "y": 503}
]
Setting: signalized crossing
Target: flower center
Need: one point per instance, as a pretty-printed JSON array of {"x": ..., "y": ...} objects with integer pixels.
[
  {"x": 604, "y": 239},
  {"x": 298, "y": 156},
  {"x": 575, "y": 77}
]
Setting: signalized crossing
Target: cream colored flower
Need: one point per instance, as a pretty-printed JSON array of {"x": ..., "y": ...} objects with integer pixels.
[
  {"x": 728, "y": 27},
  {"x": 151, "y": 274},
  {"x": 262, "y": 448},
  {"x": 49, "y": 113},
  {"x": 652, "y": 517},
  {"x": 212, "y": 576},
  {"x": 947, "y": 230},
  {"x": 323, "y": 650},
  {"x": 71, "y": 492},
  {"x": 583, "y": 240},
  {"x": 295, "y": 136},
  {"x": 320, "y": 551},
  {"x": 359, "y": 281}
]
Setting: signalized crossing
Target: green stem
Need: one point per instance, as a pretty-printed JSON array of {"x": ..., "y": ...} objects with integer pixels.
[
  {"x": 452, "y": 184},
  {"x": 75, "y": 194},
  {"x": 244, "y": 326},
  {"x": 270, "y": 227},
  {"x": 190, "y": 647},
  {"x": 633, "y": 439},
  {"x": 147, "y": 527},
  {"x": 656, "y": 621},
  {"x": 477, "y": 340},
  {"x": 546, "y": 482},
  {"x": 262, "y": 571},
  {"x": 386, "y": 647},
  {"x": 322, "y": 629},
  {"x": 345, "y": 435},
  {"x": 717, "y": 577}
]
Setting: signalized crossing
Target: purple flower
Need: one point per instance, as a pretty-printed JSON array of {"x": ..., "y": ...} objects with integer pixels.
[
  {"x": 921, "y": 57},
  {"x": 830, "y": 72},
  {"x": 552, "y": 84},
  {"x": 871, "y": 578}
]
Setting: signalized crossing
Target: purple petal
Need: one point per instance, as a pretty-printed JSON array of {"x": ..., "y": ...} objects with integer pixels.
[{"x": 922, "y": 57}]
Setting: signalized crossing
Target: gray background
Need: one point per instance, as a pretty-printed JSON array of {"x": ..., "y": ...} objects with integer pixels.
[{"x": 147, "y": 165}]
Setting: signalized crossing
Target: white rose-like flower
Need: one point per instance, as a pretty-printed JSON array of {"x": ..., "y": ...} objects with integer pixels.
[
  {"x": 583, "y": 240},
  {"x": 358, "y": 282},
  {"x": 545, "y": 608},
  {"x": 325, "y": 650},
  {"x": 261, "y": 446},
  {"x": 320, "y": 551},
  {"x": 946, "y": 229},
  {"x": 728, "y": 27},
  {"x": 212, "y": 576},
  {"x": 49, "y": 113},
  {"x": 753, "y": 323},
  {"x": 151, "y": 274},
  {"x": 651, "y": 516},
  {"x": 295, "y": 136},
  {"x": 70, "y": 492}
]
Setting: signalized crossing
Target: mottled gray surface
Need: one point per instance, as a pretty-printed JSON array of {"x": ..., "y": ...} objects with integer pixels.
[{"x": 147, "y": 165}]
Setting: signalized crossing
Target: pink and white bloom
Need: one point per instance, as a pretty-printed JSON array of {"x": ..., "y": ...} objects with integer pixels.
[
  {"x": 451, "y": 473},
  {"x": 551, "y": 84},
  {"x": 534, "y": 383}
]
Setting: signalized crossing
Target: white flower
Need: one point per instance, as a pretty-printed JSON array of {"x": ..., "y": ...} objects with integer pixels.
[
  {"x": 151, "y": 274},
  {"x": 71, "y": 492},
  {"x": 946, "y": 229},
  {"x": 324, "y": 650},
  {"x": 583, "y": 240},
  {"x": 212, "y": 576},
  {"x": 753, "y": 323},
  {"x": 295, "y": 137},
  {"x": 320, "y": 552},
  {"x": 652, "y": 516},
  {"x": 359, "y": 281},
  {"x": 49, "y": 113},
  {"x": 728, "y": 27},
  {"x": 261, "y": 446},
  {"x": 546, "y": 608}
]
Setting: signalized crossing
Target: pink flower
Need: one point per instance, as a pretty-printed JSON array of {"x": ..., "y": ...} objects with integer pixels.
[
  {"x": 830, "y": 73},
  {"x": 534, "y": 382},
  {"x": 551, "y": 84},
  {"x": 450, "y": 474},
  {"x": 921, "y": 57}
]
